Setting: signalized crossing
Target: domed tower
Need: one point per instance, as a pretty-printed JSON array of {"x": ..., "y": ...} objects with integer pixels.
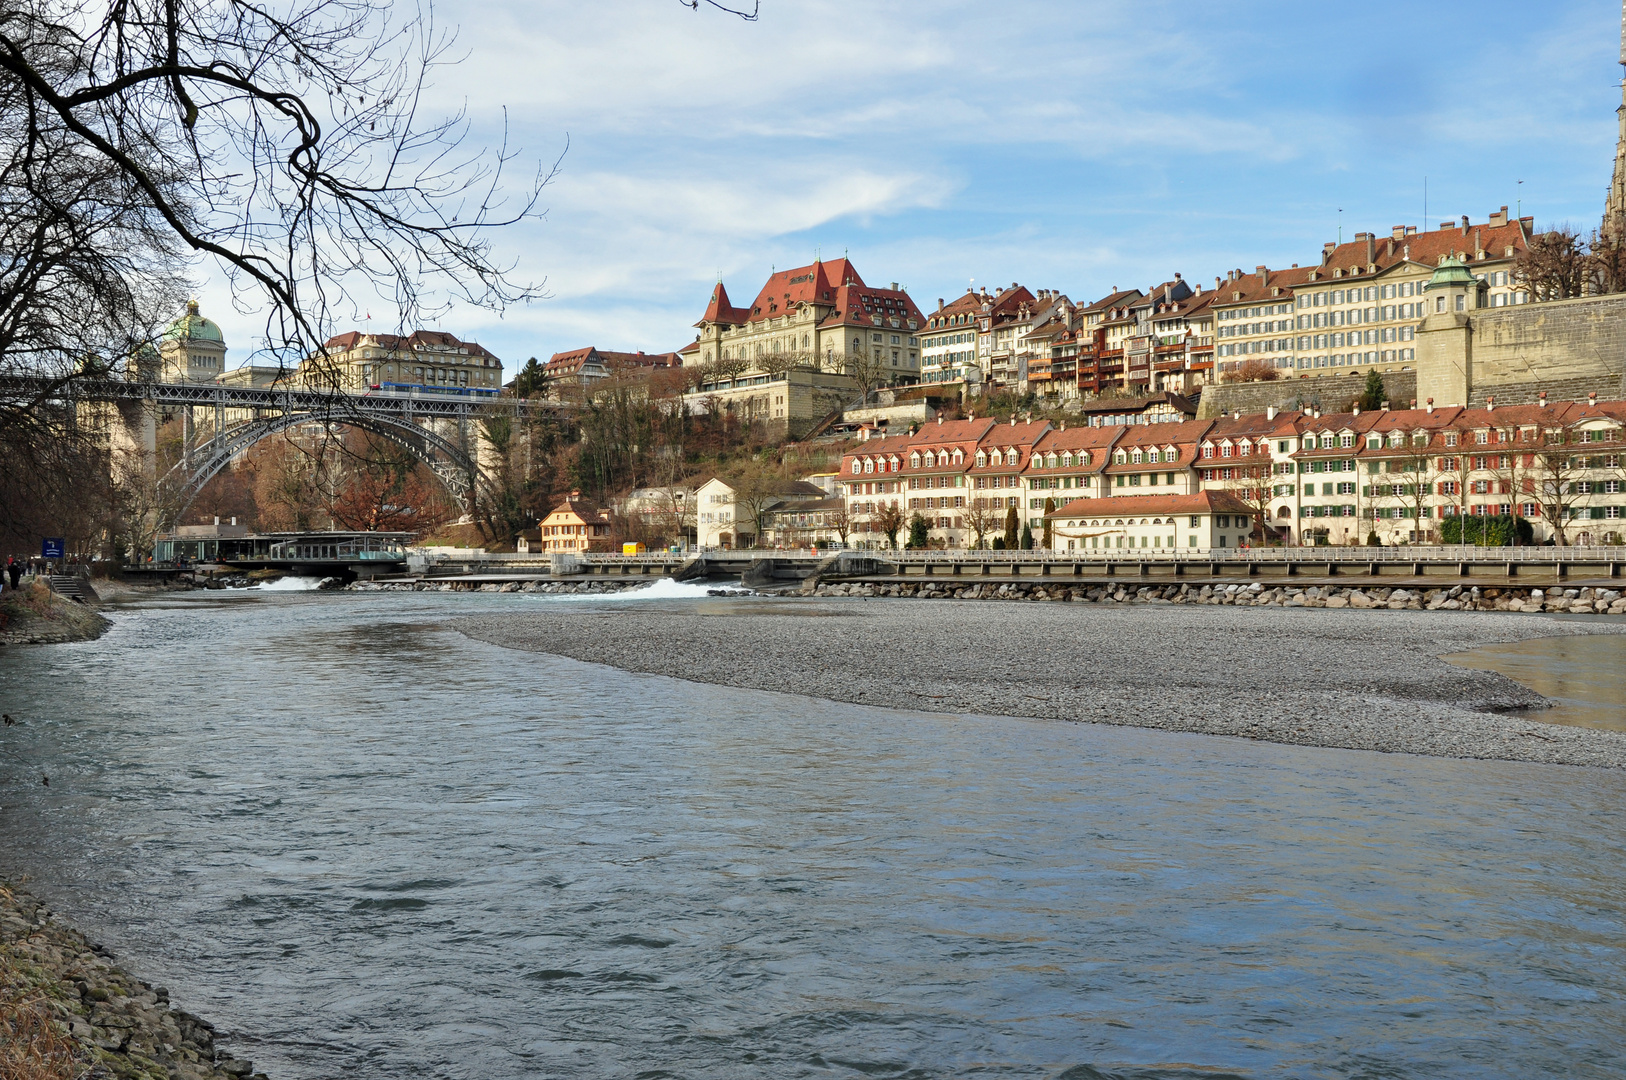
[
  {"x": 193, "y": 349},
  {"x": 1453, "y": 288}
]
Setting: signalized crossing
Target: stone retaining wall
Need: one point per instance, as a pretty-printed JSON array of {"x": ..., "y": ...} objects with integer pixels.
[
  {"x": 1330, "y": 393},
  {"x": 1457, "y": 597},
  {"x": 548, "y": 587}
]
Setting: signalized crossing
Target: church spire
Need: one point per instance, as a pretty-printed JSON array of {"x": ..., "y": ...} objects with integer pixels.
[{"x": 1614, "y": 212}]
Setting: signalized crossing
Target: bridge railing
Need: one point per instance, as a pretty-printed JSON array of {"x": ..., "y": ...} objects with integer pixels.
[{"x": 1403, "y": 554}]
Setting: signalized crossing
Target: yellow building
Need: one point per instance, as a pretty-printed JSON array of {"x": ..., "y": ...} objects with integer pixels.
[
  {"x": 426, "y": 360},
  {"x": 813, "y": 340}
]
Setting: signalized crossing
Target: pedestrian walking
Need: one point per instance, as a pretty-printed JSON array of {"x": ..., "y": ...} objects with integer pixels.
[{"x": 14, "y": 570}]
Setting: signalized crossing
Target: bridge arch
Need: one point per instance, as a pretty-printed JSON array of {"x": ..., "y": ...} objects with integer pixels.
[{"x": 458, "y": 471}]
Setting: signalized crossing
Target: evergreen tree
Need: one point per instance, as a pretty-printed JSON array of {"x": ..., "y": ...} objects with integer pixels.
[
  {"x": 1011, "y": 527},
  {"x": 917, "y": 531},
  {"x": 531, "y": 380},
  {"x": 1027, "y": 537},
  {"x": 1049, "y": 534},
  {"x": 1373, "y": 393}
]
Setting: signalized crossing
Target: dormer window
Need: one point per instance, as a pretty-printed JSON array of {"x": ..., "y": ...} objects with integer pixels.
[
  {"x": 1244, "y": 448},
  {"x": 1010, "y": 457},
  {"x": 1225, "y": 450},
  {"x": 1450, "y": 438},
  {"x": 982, "y": 459},
  {"x": 1208, "y": 450},
  {"x": 914, "y": 461},
  {"x": 1066, "y": 459},
  {"x": 1137, "y": 457},
  {"x": 1346, "y": 440},
  {"x": 869, "y": 465},
  {"x": 959, "y": 456},
  {"x": 1375, "y": 443},
  {"x": 1326, "y": 442}
]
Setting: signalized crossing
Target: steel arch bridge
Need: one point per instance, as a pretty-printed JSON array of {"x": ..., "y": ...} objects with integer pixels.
[{"x": 243, "y": 416}]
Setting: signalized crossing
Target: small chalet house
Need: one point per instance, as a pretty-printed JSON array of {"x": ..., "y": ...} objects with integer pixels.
[
  {"x": 573, "y": 525},
  {"x": 1115, "y": 526}
]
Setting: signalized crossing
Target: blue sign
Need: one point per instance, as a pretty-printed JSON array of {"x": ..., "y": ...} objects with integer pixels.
[{"x": 53, "y": 547}]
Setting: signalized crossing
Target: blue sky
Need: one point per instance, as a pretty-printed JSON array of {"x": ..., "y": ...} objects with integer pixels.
[{"x": 1076, "y": 146}]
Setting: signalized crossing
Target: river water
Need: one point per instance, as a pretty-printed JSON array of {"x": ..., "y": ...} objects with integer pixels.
[{"x": 366, "y": 846}]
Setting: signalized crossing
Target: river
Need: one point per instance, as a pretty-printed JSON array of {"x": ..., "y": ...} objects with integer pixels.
[{"x": 364, "y": 845}]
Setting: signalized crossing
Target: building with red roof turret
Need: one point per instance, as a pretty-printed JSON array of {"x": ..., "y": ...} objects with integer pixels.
[{"x": 815, "y": 338}]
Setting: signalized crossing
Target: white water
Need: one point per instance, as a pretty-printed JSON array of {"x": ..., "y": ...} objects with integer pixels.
[
  {"x": 664, "y": 589},
  {"x": 292, "y": 584}
]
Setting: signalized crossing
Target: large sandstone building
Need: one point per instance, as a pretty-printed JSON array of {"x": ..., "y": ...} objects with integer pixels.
[{"x": 815, "y": 339}]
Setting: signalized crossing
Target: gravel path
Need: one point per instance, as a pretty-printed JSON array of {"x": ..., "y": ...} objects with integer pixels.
[{"x": 1368, "y": 680}]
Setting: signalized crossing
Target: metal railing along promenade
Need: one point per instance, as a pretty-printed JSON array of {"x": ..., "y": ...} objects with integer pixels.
[{"x": 1533, "y": 554}]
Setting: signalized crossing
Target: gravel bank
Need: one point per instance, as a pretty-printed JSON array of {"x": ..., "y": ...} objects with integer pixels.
[
  {"x": 1358, "y": 679},
  {"x": 67, "y": 1011}
]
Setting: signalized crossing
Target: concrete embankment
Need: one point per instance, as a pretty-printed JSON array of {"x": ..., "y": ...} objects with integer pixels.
[
  {"x": 1357, "y": 679},
  {"x": 67, "y": 1010},
  {"x": 33, "y": 615},
  {"x": 1578, "y": 601}
]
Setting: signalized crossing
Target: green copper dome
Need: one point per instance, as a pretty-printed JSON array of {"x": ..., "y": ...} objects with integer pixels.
[
  {"x": 193, "y": 327},
  {"x": 1452, "y": 271}
]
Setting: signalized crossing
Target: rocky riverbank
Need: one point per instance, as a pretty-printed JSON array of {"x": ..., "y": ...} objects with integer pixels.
[
  {"x": 1356, "y": 679},
  {"x": 1578, "y": 601},
  {"x": 34, "y": 615},
  {"x": 68, "y": 1011}
]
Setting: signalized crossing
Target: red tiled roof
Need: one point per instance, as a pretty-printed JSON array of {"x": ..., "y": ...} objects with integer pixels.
[{"x": 1197, "y": 502}]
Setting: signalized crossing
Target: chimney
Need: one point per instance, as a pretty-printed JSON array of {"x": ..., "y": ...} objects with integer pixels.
[
  {"x": 939, "y": 419},
  {"x": 1479, "y": 246},
  {"x": 1383, "y": 406},
  {"x": 1444, "y": 225},
  {"x": 1356, "y": 410},
  {"x": 895, "y": 284},
  {"x": 1414, "y": 403},
  {"x": 1013, "y": 419},
  {"x": 1371, "y": 248},
  {"x": 1397, "y": 232},
  {"x": 1498, "y": 219},
  {"x": 1591, "y": 399},
  {"x": 1264, "y": 274},
  {"x": 1464, "y": 224},
  {"x": 1326, "y": 251},
  {"x": 1541, "y": 399},
  {"x": 1490, "y": 403},
  {"x": 1270, "y": 412},
  {"x": 939, "y": 303},
  {"x": 1217, "y": 284},
  {"x": 1430, "y": 405},
  {"x": 217, "y": 519},
  {"x": 234, "y": 522}
]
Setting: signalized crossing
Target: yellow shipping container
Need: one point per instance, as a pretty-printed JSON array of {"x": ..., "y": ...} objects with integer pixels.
[{"x": 632, "y": 549}]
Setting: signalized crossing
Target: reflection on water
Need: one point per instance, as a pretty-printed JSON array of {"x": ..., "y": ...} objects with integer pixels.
[
  {"x": 364, "y": 845},
  {"x": 1584, "y": 675}
]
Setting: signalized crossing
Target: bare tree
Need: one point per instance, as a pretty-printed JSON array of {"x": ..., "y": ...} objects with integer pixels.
[
  {"x": 982, "y": 518},
  {"x": 1251, "y": 486},
  {"x": 1254, "y": 369},
  {"x": 1553, "y": 476},
  {"x": 890, "y": 520},
  {"x": 1554, "y": 266},
  {"x": 841, "y": 521}
]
